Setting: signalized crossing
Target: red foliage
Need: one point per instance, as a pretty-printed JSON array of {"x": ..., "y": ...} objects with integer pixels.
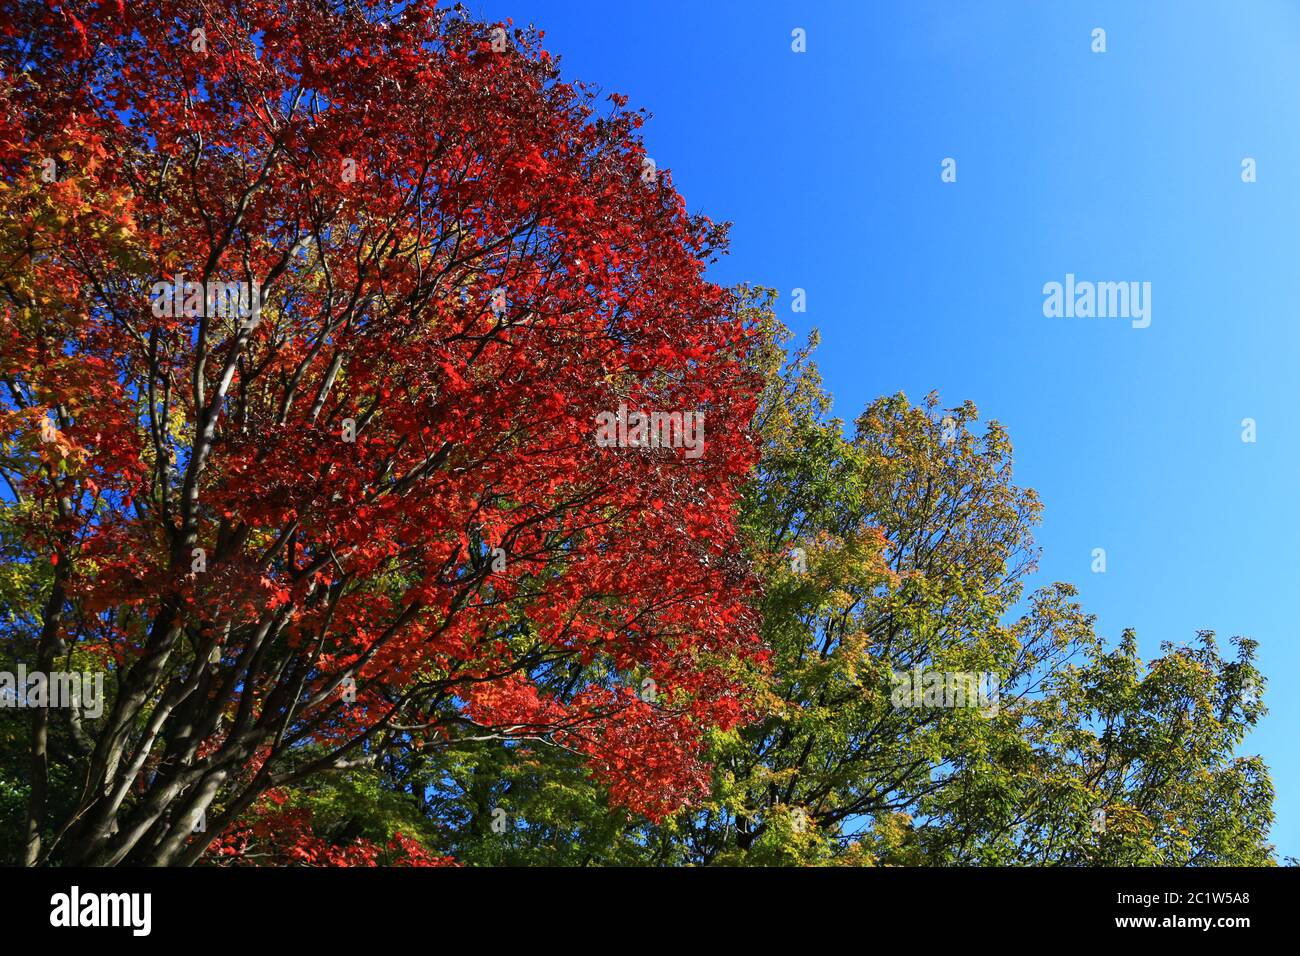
[
  {"x": 476, "y": 170},
  {"x": 275, "y": 834}
]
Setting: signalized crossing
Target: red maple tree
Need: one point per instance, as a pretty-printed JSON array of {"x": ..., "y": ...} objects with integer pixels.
[{"x": 367, "y": 510}]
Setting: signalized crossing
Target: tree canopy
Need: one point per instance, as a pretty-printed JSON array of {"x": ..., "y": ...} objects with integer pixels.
[
  {"x": 371, "y": 431},
  {"x": 363, "y": 511}
]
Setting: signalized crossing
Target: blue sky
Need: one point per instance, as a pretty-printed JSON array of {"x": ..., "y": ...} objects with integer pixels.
[{"x": 1116, "y": 166}]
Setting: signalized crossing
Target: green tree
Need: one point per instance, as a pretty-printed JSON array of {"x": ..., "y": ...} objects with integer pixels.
[{"x": 906, "y": 544}]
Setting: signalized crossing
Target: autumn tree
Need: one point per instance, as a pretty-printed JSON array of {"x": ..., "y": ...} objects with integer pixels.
[{"x": 307, "y": 313}]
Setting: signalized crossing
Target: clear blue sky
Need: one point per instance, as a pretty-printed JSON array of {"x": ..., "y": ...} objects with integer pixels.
[{"x": 1122, "y": 166}]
